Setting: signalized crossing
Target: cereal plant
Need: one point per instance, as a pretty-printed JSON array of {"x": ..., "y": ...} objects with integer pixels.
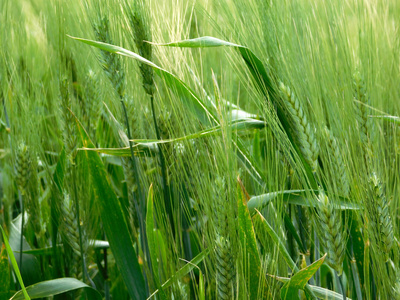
[{"x": 199, "y": 149}]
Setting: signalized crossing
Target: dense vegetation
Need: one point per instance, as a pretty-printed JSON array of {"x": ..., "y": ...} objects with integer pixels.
[{"x": 199, "y": 149}]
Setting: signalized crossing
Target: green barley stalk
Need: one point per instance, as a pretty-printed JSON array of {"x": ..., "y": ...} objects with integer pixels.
[
  {"x": 142, "y": 34},
  {"x": 302, "y": 128},
  {"x": 361, "y": 99}
]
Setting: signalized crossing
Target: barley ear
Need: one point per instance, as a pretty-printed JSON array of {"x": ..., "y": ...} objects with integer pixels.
[
  {"x": 22, "y": 167},
  {"x": 303, "y": 130},
  {"x": 332, "y": 235},
  {"x": 225, "y": 260},
  {"x": 70, "y": 137},
  {"x": 142, "y": 35},
  {"x": 110, "y": 62},
  {"x": 380, "y": 219},
  {"x": 339, "y": 171}
]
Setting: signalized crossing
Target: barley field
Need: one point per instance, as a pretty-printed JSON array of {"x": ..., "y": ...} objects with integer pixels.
[{"x": 199, "y": 149}]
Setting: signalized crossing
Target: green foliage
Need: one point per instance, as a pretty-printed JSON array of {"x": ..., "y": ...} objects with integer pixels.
[{"x": 121, "y": 150}]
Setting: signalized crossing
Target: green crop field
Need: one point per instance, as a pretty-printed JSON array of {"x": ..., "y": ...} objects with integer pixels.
[{"x": 200, "y": 149}]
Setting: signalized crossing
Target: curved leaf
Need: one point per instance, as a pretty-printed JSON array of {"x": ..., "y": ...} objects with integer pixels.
[
  {"x": 320, "y": 292},
  {"x": 299, "y": 280},
  {"x": 187, "y": 95},
  {"x": 151, "y": 145},
  {"x": 55, "y": 287},
  {"x": 297, "y": 197}
]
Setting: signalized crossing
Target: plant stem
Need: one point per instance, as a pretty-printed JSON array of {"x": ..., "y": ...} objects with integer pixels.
[{"x": 79, "y": 222}]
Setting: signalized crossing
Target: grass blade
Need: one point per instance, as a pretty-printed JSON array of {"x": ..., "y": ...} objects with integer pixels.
[
  {"x": 14, "y": 264},
  {"x": 299, "y": 280},
  {"x": 55, "y": 287},
  {"x": 251, "y": 258},
  {"x": 297, "y": 197},
  {"x": 147, "y": 146},
  {"x": 114, "y": 222},
  {"x": 151, "y": 240}
]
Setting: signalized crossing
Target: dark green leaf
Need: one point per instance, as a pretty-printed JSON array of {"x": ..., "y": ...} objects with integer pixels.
[{"x": 114, "y": 222}]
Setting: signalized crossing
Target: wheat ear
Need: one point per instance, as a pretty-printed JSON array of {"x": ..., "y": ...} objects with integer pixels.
[
  {"x": 380, "y": 219},
  {"x": 330, "y": 230},
  {"x": 303, "y": 130},
  {"x": 339, "y": 171},
  {"x": 225, "y": 260},
  {"x": 110, "y": 63}
]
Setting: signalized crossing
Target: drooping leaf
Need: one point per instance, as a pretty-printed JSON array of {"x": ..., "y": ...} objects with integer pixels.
[
  {"x": 185, "y": 92},
  {"x": 147, "y": 146},
  {"x": 297, "y": 197},
  {"x": 55, "y": 287},
  {"x": 114, "y": 222},
  {"x": 299, "y": 280}
]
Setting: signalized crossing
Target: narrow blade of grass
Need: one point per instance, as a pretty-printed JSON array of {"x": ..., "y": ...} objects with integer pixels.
[
  {"x": 14, "y": 264},
  {"x": 151, "y": 239},
  {"x": 251, "y": 258},
  {"x": 114, "y": 222}
]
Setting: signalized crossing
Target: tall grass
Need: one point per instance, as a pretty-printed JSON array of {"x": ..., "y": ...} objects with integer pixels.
[{"x": 200, "y": 149}]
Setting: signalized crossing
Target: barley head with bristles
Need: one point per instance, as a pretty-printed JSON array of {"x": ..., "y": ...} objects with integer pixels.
[
  {"x": 225, "y": 259},
  {"x": 142, "y": 35},
  {"x": 110, "y": 62},
  {"x": 339, "y": 171},
  {"x": 331, "y": 232},
  {"x": 22, "y": 167},
  {"x": 379, "y": 216},
  {"x": 303, "y": 130},
  {"x": 70, "y": 139}
]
